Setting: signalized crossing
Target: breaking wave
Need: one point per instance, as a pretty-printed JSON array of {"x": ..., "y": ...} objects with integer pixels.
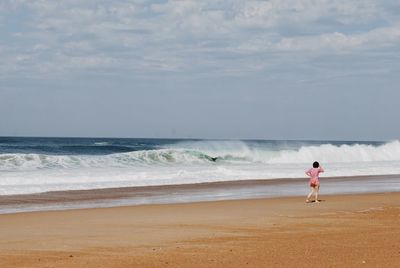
[
  {"x": 205, "y": 153},
  {"x": 32, "y": 165}
]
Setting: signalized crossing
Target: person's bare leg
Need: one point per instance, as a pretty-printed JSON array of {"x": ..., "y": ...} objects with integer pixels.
[
  {"x": 316, "y": 193},
  {"x": 310, "y": 194}
]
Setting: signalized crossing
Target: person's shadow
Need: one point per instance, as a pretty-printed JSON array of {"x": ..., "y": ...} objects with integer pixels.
[{"x": 313, "y": 201}]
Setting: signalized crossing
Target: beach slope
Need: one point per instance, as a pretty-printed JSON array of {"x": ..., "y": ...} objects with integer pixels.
[{"x": 341, "y": 231}]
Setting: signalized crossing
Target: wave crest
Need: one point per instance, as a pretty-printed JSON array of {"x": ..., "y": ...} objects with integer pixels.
[
  {"x": 329, "y": 153},
  {"x": 229, "y": 153},
  {"x": 13, "y": 162}
]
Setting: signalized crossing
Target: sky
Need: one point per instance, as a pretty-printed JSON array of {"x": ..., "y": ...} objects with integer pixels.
[{"x": 279, "y": 69}]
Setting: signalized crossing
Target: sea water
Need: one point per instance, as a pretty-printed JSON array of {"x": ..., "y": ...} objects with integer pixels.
[{"x": 37, "y": 165}]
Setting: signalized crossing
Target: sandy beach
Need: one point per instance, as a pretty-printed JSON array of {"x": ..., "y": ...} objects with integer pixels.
[{"x": 341, "y": 231}]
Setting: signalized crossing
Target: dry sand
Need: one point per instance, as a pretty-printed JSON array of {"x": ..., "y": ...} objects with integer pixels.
[{"x": 341, "y": 231}]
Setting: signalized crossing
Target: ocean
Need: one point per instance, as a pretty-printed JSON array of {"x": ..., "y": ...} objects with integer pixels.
[{"x": 39, "y": 165}]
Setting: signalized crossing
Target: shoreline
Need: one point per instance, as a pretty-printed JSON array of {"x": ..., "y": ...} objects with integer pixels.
[
  {"x": 350, "y": 230},
  {"x": 189, "y": 193}
]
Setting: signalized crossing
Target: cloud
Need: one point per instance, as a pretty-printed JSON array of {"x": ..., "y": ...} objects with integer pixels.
[
  {"x": 340, "y": 42},
  {"x": 227, "y": 37}
]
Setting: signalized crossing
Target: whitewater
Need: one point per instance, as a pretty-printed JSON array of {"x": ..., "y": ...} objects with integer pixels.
[{"x": 37, "y": 165}]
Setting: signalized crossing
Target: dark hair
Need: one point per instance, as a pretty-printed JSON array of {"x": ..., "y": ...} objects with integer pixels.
[{"x": 315, "y": 164}]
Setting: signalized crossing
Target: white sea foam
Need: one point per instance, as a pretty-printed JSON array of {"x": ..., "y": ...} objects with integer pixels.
[
  {"x": 190, "y": 162},
  {"x": 339, "y": 154},
  {"x": 102, "y": 143},
  {"x": 328, "y": 153}
]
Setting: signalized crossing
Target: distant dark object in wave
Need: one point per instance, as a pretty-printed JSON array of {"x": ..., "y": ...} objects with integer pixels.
[{"x": 214, "y": 159}]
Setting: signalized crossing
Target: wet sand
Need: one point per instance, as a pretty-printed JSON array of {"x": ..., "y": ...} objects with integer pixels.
[
  {"x": 187, "y": 193},
  {"x": 342, "y": 231}
]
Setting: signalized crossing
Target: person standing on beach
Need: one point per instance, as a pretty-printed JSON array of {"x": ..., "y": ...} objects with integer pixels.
[{"x": 313, "y": 173}]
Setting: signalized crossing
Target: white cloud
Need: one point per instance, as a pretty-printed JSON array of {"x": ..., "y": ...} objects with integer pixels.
[
  {"x": 82, "y": 46},
  {"x": 340, "y": 42},
  {"x": 188, "y": 35}
]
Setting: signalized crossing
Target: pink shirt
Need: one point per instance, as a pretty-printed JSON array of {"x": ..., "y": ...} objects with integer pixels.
[{"x": 314, "y": 173}]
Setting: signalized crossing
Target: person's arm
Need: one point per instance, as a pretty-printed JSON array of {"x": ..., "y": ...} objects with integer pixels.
[
  {"x": 308, "y": 172},
  {"x": 321, "y": 169}
]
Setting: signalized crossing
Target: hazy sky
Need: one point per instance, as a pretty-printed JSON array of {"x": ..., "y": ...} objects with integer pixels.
[{"x": 207, "y": 69}]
